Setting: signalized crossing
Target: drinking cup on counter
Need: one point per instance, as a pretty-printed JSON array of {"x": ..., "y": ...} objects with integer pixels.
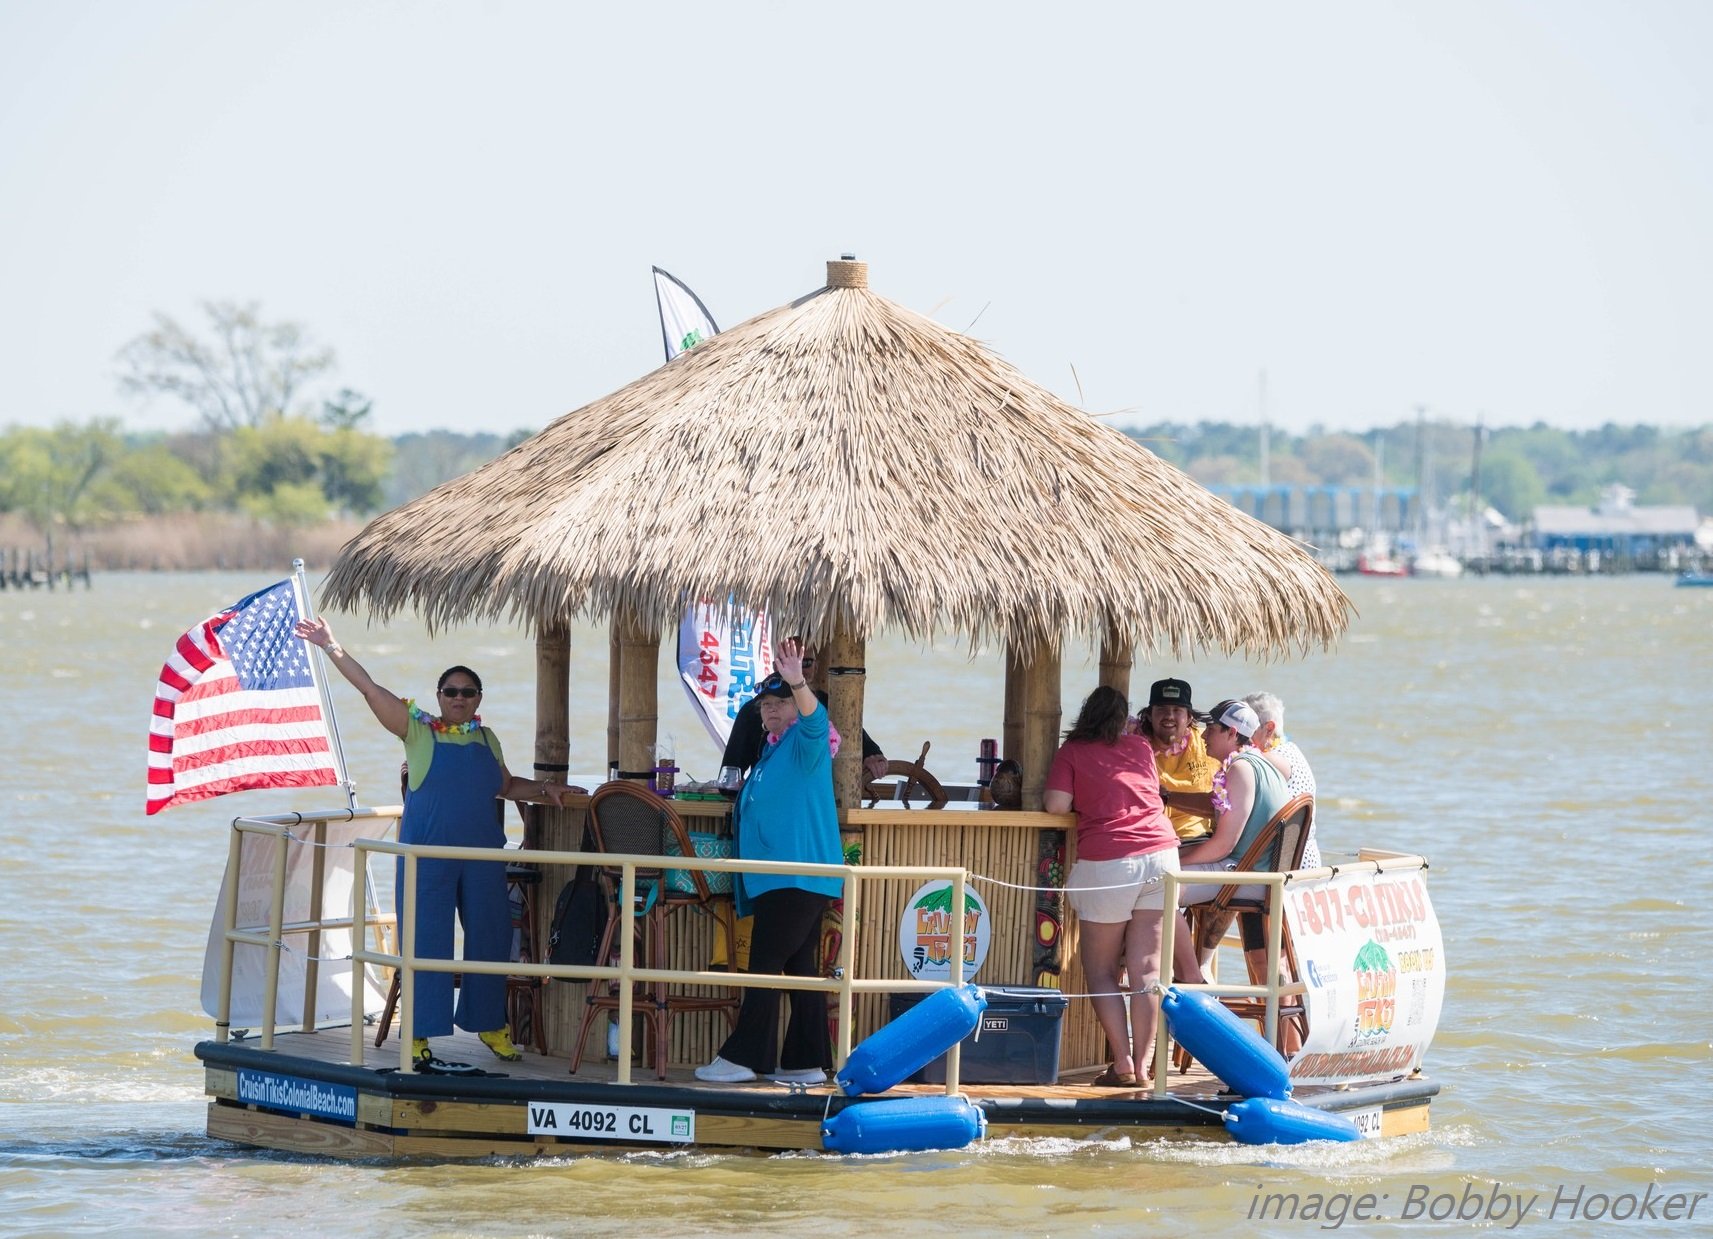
[{"x": 731, "y": 778}]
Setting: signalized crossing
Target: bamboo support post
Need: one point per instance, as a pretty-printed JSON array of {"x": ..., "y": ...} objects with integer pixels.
[
  {"x": 842, "y": 656},
  {"x": 638, "y": 696},
  {"x": 1116, "y": 660},
  {"x": 612, "y": 697},
  {"x": 552, "y": 713},
  {"x": 1012, "y": 744},
  {"x": 1040, "y": 732}
]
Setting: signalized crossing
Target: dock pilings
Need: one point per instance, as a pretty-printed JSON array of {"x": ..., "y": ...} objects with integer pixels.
[{"x": 24, "y": 567}]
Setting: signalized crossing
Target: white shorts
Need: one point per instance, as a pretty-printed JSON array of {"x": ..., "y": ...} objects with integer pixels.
[{"x": 1128, "y": 884}]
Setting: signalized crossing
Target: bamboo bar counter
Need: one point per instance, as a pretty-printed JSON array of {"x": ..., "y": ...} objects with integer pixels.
[{"x": 1031, "y": 942}]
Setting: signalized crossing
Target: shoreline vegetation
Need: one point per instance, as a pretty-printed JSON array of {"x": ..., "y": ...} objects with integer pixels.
[
  {"x": 95, "y": 498},
  {"x": 273, "y": 469},
  {"x": 182, "y": 542}
]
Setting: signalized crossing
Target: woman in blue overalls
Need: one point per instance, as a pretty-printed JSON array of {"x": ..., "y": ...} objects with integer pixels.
[{"x": 456, "y": 771}]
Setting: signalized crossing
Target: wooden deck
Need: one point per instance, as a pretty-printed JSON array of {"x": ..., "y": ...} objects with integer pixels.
[{"x": 499, "y": 1114}]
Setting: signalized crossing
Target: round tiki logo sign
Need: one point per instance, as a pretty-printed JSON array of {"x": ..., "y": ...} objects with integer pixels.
[{"x": 926, "y": 933}]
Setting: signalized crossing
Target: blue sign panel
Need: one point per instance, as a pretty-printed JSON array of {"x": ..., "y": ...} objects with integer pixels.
[{"x": 291, "y": 1095}]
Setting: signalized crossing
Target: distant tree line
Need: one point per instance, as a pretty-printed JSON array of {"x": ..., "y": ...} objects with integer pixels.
[
  {"x": 267, "y": 445},
  {"x": 1521, "y": 467}
]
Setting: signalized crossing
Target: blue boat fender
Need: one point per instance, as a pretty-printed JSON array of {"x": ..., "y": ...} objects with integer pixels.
[
  {"x": 904, "y": 1125},
  {"x": 1225, "y": 1045},
  {"x": 913, "y": 1040},
  {"x": 1267, "y": 1120}
]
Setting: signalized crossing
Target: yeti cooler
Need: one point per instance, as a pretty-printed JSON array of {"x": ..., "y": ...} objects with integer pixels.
[{"x": 1017, "y": 1041}]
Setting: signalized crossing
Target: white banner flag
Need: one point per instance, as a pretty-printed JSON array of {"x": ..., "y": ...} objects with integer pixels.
[
  {"x": 1369, "y": 948},
  {"x": 721, "y": 663},
  {"x": 684, "y": 320}
]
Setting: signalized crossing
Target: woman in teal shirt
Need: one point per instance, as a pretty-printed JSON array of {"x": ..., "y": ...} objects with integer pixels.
[{"x": 785, "y": 813}]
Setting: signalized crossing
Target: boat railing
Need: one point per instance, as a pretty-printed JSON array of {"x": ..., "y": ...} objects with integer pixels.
[
  {"x": 1277, "y": 988},
  {"x": 272, "y": 937},
  {"x": 843, "y": 984}
]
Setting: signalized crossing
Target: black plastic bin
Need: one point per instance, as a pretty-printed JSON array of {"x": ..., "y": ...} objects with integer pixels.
[{"x": 1017, "y": 1043}]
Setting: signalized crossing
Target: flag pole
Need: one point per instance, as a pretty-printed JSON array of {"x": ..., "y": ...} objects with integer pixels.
[{"x": 317, "y": 672}]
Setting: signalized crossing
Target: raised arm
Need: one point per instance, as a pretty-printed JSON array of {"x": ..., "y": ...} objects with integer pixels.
[
  {"x": 386, "y": 706},
  {"x": 789, "y": 663}
]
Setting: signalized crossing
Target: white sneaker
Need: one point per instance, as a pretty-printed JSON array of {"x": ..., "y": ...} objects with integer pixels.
[
  {"x": 721, "y": 1072},
  {"x": 799, "y": 1075}
]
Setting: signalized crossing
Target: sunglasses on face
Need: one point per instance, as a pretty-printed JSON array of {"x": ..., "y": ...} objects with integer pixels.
[{"x": 460, "y": 692}]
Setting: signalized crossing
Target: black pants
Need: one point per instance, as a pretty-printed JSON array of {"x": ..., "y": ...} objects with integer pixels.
[{"x": 784, "y": 942}]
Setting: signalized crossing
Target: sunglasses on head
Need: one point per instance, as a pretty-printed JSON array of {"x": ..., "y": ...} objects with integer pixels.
[{"x": 460, "y": 692}]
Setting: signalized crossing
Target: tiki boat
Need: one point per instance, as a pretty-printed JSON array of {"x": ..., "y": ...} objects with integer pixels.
[{"x": 891, "y": 441}]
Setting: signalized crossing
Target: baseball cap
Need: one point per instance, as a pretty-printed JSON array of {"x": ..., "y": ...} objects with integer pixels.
[
  {"x": 773, "y": 686},
  {"x": 1170, "y": 693},
  {"x": 1240, "y": 716}
]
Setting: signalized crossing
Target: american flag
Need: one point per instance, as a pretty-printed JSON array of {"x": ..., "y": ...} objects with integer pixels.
[{"x": 236, "y": 707}]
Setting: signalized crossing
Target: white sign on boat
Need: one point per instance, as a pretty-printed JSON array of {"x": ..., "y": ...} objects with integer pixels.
[{"x": 1371, "y": 956}]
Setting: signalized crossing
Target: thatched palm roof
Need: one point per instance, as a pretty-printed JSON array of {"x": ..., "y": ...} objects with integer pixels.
[{"x": 842, "y": 460}]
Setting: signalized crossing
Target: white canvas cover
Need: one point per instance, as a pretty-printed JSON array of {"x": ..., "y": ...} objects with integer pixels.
[{"x": 249, "y": 963}]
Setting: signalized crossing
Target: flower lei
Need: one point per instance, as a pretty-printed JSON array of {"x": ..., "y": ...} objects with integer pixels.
[
  {"x": 1221, "y": 797},
  {"x": 440, "y": 725},
  {"x": 1182, "y": 744},
  {"x": 832, "y": 736}
]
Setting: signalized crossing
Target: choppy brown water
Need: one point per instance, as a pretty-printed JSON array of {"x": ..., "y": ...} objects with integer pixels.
[{"x": 1544, "y": 742}]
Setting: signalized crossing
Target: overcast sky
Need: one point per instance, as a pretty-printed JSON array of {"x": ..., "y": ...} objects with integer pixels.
[{"x": 1482, "y": 207}]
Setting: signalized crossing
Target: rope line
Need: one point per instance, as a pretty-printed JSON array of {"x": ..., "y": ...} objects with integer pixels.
[
  {"x": 308, "y": 842},
  {"x": 1055, "y": 890},
  {"x": 1192, "y": 1105},
  {"x": 320, "y": 959}
]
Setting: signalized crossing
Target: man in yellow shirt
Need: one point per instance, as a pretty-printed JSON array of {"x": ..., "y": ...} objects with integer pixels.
[{"x": 1180, "y": 755}]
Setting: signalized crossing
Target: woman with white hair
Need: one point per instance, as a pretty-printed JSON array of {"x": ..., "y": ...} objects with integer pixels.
[{"x": 1283, "y": 753}]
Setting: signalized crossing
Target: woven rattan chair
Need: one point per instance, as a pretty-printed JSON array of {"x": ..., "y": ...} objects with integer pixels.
[
  {"x": 625, "y": 819},
  {"x": 1277, "y": 849}
]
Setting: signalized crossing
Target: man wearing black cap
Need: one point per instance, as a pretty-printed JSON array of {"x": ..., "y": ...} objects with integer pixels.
[{"x": 1180, "y": 757}]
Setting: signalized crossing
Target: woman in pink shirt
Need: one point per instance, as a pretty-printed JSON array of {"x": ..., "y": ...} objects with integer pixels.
[{"x": 1125, "y": 846}]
